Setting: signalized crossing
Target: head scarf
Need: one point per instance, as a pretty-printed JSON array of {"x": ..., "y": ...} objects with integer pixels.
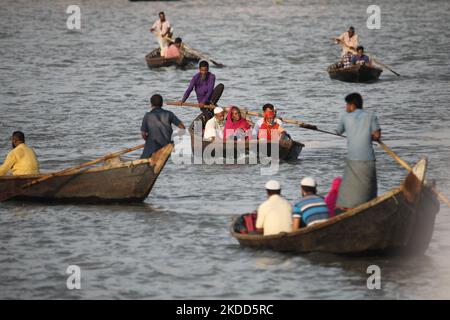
[{"x": 234, "y": 126}]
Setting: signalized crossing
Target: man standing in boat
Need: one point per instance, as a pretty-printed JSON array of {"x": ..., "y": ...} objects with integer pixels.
[
  {"x": 157, "y": 127},
  {"x": 359, "y": 183},
  {"x": 349, "y": 41},
  {"x": 161, "y": 28},
  {"x": 21, "y": 160},
  {"x": 203, "y": 83}
]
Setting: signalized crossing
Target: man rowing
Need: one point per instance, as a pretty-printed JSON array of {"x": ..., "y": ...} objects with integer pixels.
[
  {"x": 157, "y": 127},
  {"x": 349, "y": 41},
  {"x": 162, "y": 29},
  {"x": 359, "y": 183},
  {"x": 21, "y": 160},
  {"x": 203, "y": 83}
]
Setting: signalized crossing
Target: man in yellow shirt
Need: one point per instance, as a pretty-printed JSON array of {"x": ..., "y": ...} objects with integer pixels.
[
  {"x": 21, "y": 159},
  {"x": 275, "y": 214}
]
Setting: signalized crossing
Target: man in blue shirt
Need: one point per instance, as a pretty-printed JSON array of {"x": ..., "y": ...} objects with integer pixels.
[
  {"x": 360, "y": 57},
  {"x": 157, "y": 127},
  {"x": 359, "y": 183},
  {"x": 311, "y": 208}
]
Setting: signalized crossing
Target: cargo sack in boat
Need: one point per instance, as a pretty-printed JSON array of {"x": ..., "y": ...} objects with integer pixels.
[{"x": 250, "y": 222}]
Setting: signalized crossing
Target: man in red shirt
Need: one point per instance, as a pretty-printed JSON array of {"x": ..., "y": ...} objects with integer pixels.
[{"x": 174, "y": 50}]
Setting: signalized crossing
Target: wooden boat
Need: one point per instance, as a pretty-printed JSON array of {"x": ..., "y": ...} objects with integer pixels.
[
  {"x": 399, "y": 222},
  {"x": 129, "y": 181},
  {"x": 288, "y": 149},
  {"x": 154, "y": 60},
  {"x": 355, "y": 73}
]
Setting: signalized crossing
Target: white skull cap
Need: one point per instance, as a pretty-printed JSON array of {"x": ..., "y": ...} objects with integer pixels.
[{"x": 273, "y": 185}]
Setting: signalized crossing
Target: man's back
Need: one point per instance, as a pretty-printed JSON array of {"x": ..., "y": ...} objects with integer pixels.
[
  {"x": 359, "y": 126},
  {"x": 172, "y": 52},
  {"x": 21, "y": 160},
  {"x": 311, "y": 208},
  {"x": 275, "y": 215},
  {"x": 158, "y": 124}
]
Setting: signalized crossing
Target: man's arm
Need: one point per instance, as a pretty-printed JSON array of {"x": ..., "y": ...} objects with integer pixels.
[
  {"x": 144, "y": 128},
  {"x": 144, "y": 135},
  {"x": 8, "y": 164},
  {"x": 375, "y": 128},
  {"x": 259, "y": 226},
  {"x": 295, "y": 223},
  {"x": 189, "y": 89},
  {"x": 296, "y": 218},
  {"x": 340, "y": 127},
  {"x": 376, "y": 135}
]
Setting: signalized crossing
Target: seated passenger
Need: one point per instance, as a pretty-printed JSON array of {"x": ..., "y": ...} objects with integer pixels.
[
  {"x": 266, "y": 107},
  {"x": 275, "y": 214},
  {"x": 215, "y": 126},
  {"x": 270, "y": 129},
  {"x": 360, "y": 58},
  {"x": 311, "y": 208},
  {"x": 331, "y": 197},
  {"x": 174, "y": 50},
  {"x": 21, "y": 160},
  {"x": 236, "y": 126}
]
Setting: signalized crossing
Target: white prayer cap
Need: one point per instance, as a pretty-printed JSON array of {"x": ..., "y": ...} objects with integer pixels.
[
  {"x": 273, "y": 185},
  {"x": 218, "y": 110},
  {"x": 308, "y": 182}
]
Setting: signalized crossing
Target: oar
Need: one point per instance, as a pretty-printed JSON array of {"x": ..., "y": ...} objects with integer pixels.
[
  {"x": 8, "y": 195},
  {"x": 386, "y": 67},
  {"x": 405, "y": 165},
  {"x": 198, "y": 53},
  {"x": 374, "y": 60}
]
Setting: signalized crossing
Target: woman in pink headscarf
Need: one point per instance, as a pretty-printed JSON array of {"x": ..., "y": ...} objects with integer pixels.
[
  {"x": 332, "y": 195},
  {"x": 236, "y": 125}
]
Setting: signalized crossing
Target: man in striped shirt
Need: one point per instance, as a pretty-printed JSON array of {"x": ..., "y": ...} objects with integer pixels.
[{"x": 311, "y": 208}]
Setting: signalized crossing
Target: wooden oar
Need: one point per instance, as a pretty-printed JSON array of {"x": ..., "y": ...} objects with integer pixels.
[
  {"x": 405, "y": 165},
  {"x": 200, "y": 54},
  {"x": 8, "y": 195},
  {"x": 374, "y": 60}
]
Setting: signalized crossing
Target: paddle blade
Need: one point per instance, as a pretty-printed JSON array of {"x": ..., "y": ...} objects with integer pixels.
[{"x": 217, "y": 93}]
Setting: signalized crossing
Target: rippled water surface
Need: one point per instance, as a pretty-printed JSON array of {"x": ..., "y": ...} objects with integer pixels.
[{"x": 78, "y": 95}]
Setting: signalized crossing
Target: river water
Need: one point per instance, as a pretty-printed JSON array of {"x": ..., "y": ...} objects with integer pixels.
[{"x": 80, "y": 94}]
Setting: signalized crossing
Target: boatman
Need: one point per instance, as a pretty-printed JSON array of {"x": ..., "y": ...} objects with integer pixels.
[
  {"x": 203, "y": 83},
  {"x": 359, "y": 183},
  {"x": 275, "y": 214},
  {"x": 157, "y": 127},
  {"x": 21, "y": 160},
  {"x": 349, "y": 42},
  {"x": 161, "y": 28}
]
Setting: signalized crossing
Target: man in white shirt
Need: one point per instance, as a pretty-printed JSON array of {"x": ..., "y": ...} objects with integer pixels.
[
  {"x": 215, "y": 126},
  {"x": 349, "y": 41},
  {"x": 161, "y": 28},
  {"x": 275, "y": 214}
]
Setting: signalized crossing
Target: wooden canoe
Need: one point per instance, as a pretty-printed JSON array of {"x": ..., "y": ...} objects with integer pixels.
[
  {"x": 289, "y": 150},
  {"x": 154, "y": 60},
  {"x": 129, "y": 181},
  {"x": 400, "y": 221},
  {"x": 355, "y": 73}
]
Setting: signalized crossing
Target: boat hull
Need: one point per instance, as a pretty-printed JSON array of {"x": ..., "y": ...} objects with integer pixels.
[
  {"x": 130, "y": 182},
  {"x": 390, "y": 224},
  {"x": 356, "y": 73},
  {"x": 154, "y": 60}
]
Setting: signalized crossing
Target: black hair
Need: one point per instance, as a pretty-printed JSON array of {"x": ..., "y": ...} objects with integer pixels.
[
  {"x": 268, "y": 106},
  {"x": 19, "y": 135},
  {"x": 309, "y": 189},
  {"x": 359, "y": 48},
  {"x": 156, "y": 100},
  {"x": 351, "y": 28},
  {"x": 356, "y": 99},
  {"x": 203, "y": 64},
  {"x": 178, "y": 40},
  {"x": 162, "y": 12},
  {"x": 272, "y": 192}
]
